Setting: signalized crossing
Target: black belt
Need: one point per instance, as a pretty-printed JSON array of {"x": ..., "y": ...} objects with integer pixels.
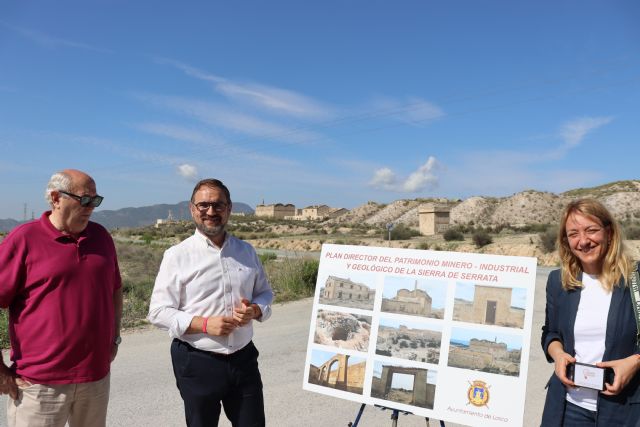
[{"x": 220, "y": 356}]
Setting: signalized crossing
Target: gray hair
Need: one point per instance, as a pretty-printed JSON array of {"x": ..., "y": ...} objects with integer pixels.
[{"x": 59, "y": 181}]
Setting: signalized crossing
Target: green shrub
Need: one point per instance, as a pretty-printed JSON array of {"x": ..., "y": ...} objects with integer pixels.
[
  {"x": 452, "y": 234},
  {"x": 4, "y": 329},
  {"x": 136, "y": 302},
  {"x": 481, "y": 238},
  {"x": 293, "y": 278},
  {"x": 632, "y": 232},
  {"x": 424, "y": 246},
  {"x": 548, "y": 240},
  {"x": 400, "y": 232},
  {"x": 266, "y": 257}
]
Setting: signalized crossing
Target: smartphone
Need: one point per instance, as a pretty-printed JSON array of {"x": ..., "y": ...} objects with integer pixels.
[{"x": 589, "y": 376}]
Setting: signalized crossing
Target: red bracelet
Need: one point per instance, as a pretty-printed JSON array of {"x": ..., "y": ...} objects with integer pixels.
[{"x": 204, "y": 325}]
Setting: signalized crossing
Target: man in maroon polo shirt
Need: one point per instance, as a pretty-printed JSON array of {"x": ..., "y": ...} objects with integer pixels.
[{"x": 60, "y": 281}]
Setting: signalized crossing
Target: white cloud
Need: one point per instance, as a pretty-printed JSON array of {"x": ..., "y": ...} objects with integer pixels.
[
  {"x": 574, "y": 131},
  {"x": 413, "y": 110},
  {"x": 424, "y": 177},
  {"x": 179, "y": 133},
  {"x": 50, "y": 41},
  {"x": 271, "y": 99},
  {"x": 384, "y": 178},
  {"x": 421, "y": 111},
  {"x": 188, "y": 171},
  {"x": 223, "y": 117},
  {"x": 275, "y": 100}
]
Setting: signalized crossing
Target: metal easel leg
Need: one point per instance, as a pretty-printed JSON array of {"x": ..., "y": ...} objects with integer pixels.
[
  {"x": 394, "y": 418},
  {"x": 355, "y": 423}
]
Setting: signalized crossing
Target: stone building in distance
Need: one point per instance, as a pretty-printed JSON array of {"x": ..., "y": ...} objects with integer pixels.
[{"x": 433, "y": 219}]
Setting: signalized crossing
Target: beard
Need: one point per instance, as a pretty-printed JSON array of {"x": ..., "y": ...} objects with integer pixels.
[{"x": 211, "y": 231}]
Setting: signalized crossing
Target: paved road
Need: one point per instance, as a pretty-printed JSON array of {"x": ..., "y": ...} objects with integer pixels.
[{"x": 143, "y": 390}]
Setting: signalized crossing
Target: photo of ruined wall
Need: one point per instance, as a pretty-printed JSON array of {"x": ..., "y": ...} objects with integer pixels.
[
  {"x": 485, "y": 351},
  {"x": 345, "y": 292},
  {"x": 337, "y": 371},
  {"x": 342, "y": 330},
  {"x": 489, "y": 305},
  {"x": 409, "y": 341},
  {"x": 414, "y": 297},
  {"x": 403, "y": 384}
]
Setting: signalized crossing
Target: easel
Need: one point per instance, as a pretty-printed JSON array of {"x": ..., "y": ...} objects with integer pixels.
[{"x": 394, "y": 416}]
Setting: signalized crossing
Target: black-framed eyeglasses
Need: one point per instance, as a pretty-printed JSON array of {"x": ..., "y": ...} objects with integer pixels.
[
  {"x": 85, "y": 201},
  {"x": 217, "y": 206}
]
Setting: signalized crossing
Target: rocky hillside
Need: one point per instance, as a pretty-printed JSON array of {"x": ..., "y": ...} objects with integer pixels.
[{"x": 524, "y": 208}]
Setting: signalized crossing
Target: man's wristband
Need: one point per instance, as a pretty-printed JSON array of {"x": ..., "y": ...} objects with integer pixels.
[{"x": 204, "y": 325}]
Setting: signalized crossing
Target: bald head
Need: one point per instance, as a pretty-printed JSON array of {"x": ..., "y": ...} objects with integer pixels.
[{"x": 69, "y": 180}]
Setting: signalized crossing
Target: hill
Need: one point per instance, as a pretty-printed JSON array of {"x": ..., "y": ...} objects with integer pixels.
[{"x": 525, "y": 208}]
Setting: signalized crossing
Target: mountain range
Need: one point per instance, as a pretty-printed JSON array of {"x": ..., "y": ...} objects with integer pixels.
[{"x": 137, "y": 217}]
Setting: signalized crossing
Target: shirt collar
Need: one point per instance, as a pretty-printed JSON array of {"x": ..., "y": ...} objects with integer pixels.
[
  {"x": 56, "y": 234},
  {"x": 204, "y": 239}
]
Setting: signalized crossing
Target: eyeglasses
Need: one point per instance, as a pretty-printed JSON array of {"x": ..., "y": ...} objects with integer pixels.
[
  {"x": 85, "y": 201},
  {"x": 217, "y": 206}
]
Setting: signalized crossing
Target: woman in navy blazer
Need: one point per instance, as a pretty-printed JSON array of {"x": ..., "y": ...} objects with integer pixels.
[{"x": 590, "y": 242}]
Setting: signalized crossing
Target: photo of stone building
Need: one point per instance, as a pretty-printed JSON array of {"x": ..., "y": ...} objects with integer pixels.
[
  {"x": 345, "y": 292},
  {"x": 489, "y": 305},
  {"x": 415, "y": 297},
  {"x": 337, "y": 371},
  {"x": 408, "y": 341},
  {"x": 486, "y": 352},
  {"x": 402, "y": 384},
  {"x": 342, "y": 330}
]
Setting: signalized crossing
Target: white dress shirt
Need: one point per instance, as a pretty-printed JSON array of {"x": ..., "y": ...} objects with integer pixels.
[{"x": 196, "y": 278}]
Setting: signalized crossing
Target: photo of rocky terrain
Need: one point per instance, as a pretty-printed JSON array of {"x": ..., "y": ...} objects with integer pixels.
[
  {"x": 408, "y": 341},
  {"x": 342, "y": 330}
]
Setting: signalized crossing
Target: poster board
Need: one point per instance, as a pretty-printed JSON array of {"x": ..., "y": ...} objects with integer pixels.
[{"x": 443, "y": 335}]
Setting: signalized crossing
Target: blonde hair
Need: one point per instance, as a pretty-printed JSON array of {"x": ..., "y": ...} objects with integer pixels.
[{"x": 616, "y": 264}]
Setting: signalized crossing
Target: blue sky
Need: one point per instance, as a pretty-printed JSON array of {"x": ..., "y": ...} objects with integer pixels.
[
  {"x": 464, "y": 335},
  {"x": 393, "y": 323},
  {"x": 335, "y": 102}
]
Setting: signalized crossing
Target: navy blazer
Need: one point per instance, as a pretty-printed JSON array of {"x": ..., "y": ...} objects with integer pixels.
[{"x": 620, "y": 342}]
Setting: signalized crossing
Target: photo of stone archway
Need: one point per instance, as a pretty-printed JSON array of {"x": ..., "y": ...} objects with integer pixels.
[
  {"x": 414, "y": 341},
  {"x": 403, "y": 384},
  {"x": 337, "y": 371},
  {"x": 485, "y": 351},
  {"x": 352, "y": 291},
  {"x": 490, "y": 305},
  {"x": 342, "y": 330},
  {"x": 416, "y": 297}
]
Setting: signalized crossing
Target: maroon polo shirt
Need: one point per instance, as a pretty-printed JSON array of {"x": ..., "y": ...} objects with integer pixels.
[{"x": 59, "y": 292}]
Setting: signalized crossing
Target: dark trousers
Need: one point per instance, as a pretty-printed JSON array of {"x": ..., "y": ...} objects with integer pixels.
[
  {"x": 206, "y": 379},
  {"x": 577, "y": 416}
]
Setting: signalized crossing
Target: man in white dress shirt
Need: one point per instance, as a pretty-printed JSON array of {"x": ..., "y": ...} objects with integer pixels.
[{"x": 208, "y": 290}]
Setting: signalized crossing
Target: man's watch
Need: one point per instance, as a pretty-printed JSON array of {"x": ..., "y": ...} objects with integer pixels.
[{"x": 118, "y": 340}]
